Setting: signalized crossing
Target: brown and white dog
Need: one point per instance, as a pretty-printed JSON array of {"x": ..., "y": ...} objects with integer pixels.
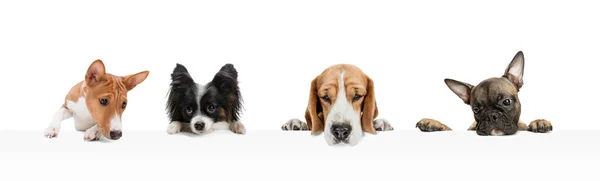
[
  {"x": 96, "y": 103},
  {"x": 342, "y": 105}
]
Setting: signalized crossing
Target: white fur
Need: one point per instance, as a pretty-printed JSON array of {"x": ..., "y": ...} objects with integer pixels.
[
  {"x": 81, "y": 115},
  {"x": 92, "y": 134},
  {"x": 54, "y": 127},
  {"x": 174, "y": 127},
  {"x": 342, "y": 112},
  {"x": 115, "y": 123},
  {"x": 208, "y": 122}
]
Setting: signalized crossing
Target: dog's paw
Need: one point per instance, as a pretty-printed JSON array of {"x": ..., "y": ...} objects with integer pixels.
[
  {"x": 382, "y": 125},
  {"x": 540, "y": 126},
  {"x": 174, "y": 127},
  {"x": 429, "y": 125},
  {"x": 294, "y": 125},
  {"x": 237, "y": 127},
  {"x": 92, "y": 134},
  {"x": 51, "y": 132}
]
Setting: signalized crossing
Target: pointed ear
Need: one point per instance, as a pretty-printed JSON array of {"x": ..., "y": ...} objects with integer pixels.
[
  {"x": 314, "y": 109},
  {"x": 180, "y": 78},
  {"x": 95, "y": 72},
  {"x": 514, "y": 71},
  {"x": 369, "y": 109},
  {"x": 461, "y": 89},
  {"x": 133, "y": 80},
  {"x": 226, "y": 79}
]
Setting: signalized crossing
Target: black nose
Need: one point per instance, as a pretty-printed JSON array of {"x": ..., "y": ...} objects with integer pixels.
[
  {"x": 199, "y": 126},
  {"x": 115, "y": 135},
  {"x": 341, "y": 131}
]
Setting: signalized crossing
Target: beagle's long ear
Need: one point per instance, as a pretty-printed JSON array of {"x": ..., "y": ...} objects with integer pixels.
[
  {"x": 369, "y": 109},
  {"x": 314, "y": 109}
]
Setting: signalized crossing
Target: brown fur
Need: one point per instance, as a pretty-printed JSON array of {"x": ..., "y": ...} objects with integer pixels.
[
  {"x": 97, "y": 85},
  {"x": 356, "y": 82}
]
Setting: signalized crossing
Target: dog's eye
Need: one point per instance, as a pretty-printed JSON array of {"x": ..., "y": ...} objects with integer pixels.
[
  {"x": 188, "y": 110},
  {"x": 326, "y": 99},
  {"x": 124, "y": 105},
  {"x": 476, "y": 110},
  {"x": 356, "y": 97},
  {"x": 507, "y": 102},
  {"x": 104, "y": 101},
  {"x": 210, "y": 108}
]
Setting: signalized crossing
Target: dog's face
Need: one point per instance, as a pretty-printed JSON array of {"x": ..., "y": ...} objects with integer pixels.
[
  {"x": 342, "y": 104},
  {"x": 494, "y": 101},
  {"x": 106, "y": 97},
  {"x": 203, "y": 105}
]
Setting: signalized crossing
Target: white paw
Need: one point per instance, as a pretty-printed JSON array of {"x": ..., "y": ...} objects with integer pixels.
[
  {"x": 238, "y": 128},
  {"x": 51, "y": 132},
  {"x": 294, "y": 124},
  {"x": 92, "y": 134},
  {"x": 174, "y": 127},
  {"x": 382, "y": 125}
]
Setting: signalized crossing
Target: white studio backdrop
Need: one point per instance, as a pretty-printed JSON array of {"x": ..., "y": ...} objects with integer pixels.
[{"x": 278, "y": 47}]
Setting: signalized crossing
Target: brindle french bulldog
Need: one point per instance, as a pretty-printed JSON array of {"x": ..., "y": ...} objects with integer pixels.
[{"x": 495, "y": 104}]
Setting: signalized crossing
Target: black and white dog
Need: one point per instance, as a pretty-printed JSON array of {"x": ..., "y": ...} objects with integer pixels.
[{"x": 196, "y": 107}]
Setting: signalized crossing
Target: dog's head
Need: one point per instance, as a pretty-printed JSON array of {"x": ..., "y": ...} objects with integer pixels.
[
  {"x": 494, "y": 101},
  {"x": 342, "y": 104},
  {"x": 106, "y": 97},
  {"x": 203, "y": 105}
]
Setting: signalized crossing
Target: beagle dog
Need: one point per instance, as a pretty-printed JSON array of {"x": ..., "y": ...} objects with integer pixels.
[{"x": 342, "y": 105}]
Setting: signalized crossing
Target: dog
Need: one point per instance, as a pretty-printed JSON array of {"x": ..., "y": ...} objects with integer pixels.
[
  {"x": 495, "y": 104},
  {"x": 342, "y": 105},
  {"x": 97, "y": 103},
  {"x": 195, "y": 107}
]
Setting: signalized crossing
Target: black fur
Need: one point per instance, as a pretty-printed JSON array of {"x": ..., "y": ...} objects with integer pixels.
[{"x": 222, "y": 93}]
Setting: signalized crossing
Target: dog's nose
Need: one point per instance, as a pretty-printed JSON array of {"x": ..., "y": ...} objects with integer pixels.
[
  {"x": 341, "y": 131},
  {"x": 199, "y": 126},
  {"x": 115, "y": 135}
]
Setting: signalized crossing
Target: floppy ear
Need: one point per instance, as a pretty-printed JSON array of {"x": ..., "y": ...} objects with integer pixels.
[
  {"x": 369, "y": 109},
  {"x": 514, "y": 71},
  {"x": 461, "y": 89},
  {"x": 133, "y": 80},
  {"x": 314, "y": 109},
  {"x": 95, "y": 72}
]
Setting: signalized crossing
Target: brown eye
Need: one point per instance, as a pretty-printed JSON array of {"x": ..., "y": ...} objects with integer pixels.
[
  {"x": 210, "y": 109},
  {"x": 356, "y": 98},
  {"x": 124, "y": 105},
  {"x": 326, "y": 99},
  {"x": 476, "y": 110},
  {"x": 103, "y": 101},
  {"x": 507, "y": 102}
]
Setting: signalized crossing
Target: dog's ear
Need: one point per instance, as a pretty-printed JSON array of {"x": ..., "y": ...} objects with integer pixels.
[
  {"x": 95, "y": 73},
  {"x": 227, "y": 84},
  {"x": 314, "y": 109},
  {"x": 133, "y": 80},
  {"x": 226, "y": 79},
  {"x": 514, "y": 71},
  {"x": 461, "y": 89},
  {"x": 369, "y": 108},
  {"x": 180, "y": 78}
]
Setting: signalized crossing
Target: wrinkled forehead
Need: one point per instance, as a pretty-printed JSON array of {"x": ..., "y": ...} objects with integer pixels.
[
  {"x": 112, "y": 85},
  {"x": 488, "y": 90},
  {"x": 351, "y": 77}
]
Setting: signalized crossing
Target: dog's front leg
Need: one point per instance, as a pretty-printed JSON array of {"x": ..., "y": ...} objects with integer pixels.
[
  {"x": 92, "y": 134},
  {"x": 60, "y": 115},
  {"x": 237, "y": 127}
]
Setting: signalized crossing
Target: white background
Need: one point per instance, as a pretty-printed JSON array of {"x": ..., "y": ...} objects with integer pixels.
[{"x": 278, "y": 47}]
